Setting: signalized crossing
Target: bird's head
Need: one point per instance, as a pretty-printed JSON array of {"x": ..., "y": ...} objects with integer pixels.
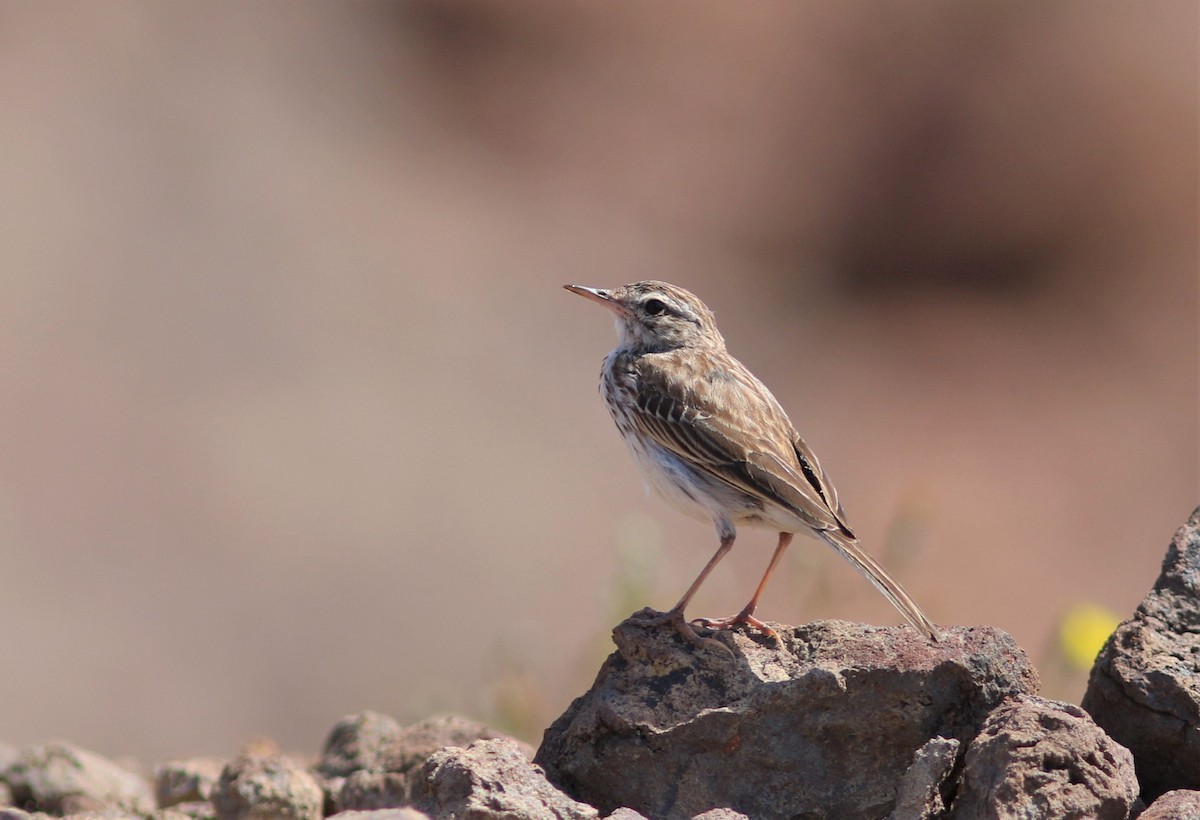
[{"x": 654, "y": 316}]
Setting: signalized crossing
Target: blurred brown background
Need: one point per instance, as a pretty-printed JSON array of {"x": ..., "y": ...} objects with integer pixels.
[{"x": 297, "y": 421}]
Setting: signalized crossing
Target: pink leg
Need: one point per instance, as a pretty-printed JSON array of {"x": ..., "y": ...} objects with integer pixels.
[
  {"x": 746, "y": 616},
  {"x": 674, "y": 616},
  {"x": 726, "y": 546}
]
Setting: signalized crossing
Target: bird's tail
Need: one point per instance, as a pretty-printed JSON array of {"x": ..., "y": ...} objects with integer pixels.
[{"x": 847, "y": 546}]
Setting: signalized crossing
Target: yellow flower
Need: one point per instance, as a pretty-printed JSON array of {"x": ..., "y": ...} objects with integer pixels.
[{"x": 1082, "y": 633}]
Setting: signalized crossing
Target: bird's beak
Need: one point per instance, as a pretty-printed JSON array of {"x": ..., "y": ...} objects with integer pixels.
[{"x": 602, "y": 297}]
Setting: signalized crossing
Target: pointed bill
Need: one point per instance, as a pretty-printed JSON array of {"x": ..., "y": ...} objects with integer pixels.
[{"x": 600, "y": 296}]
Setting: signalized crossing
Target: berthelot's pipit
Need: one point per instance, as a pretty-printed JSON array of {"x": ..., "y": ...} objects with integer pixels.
[{"x": 714, "y": 442}]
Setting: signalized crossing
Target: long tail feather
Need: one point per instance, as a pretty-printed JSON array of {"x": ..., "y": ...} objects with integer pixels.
[{"x": 848, "y": 547}]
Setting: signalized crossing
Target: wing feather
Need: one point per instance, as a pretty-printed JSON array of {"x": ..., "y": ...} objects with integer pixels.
[{"x": 748, "y": 444}]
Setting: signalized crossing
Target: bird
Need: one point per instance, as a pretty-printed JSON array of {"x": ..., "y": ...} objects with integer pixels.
[{"x": 713, "y": 441}]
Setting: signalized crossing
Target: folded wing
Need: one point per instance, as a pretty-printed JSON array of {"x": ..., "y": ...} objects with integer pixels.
[{"x": 729, "y": 425}]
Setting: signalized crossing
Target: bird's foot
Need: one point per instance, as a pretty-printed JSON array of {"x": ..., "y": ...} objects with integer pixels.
[
  {"x": 743, "y": 618},
  {"x": 674, "y": 617}
]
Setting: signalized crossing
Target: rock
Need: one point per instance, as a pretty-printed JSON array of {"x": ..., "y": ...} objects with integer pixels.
[
  {"x": 370, "y": 762},
  {"x": 7, "y": 813},
  {"x": 420, "y": 740},
  {"x": 492, "y": 780},
  {"x": 1044, "y": 758},
  {"x": 626, "y": 814},
  {"x": 382, "y": 814},
  {"x": 367, "y": 740},
  {"x": 721, "y": 814},
  {"x": 1144, "y": 689},
  {"x": 822, "y": 725},
  {"x": 331, "y": 787},
  {"x": 1174, "y": 805},
  {"x": 59, "y": 778},
  {"x": 186, "y": 781},
  {"x": 923, "y": 791},
  {"x": 259, "y": 788},
  {"x": 367, "y": 790},
  {"x": 192, "y": 810},
  {"x": 8, "y": 755}
]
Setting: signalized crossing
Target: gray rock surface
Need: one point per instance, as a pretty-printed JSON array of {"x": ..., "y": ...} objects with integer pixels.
[
  {"x": 382, "y": 814},
  {"x": 186, "y": 781},
  {"x": 1178, "y": 804},
  {"x": 369, "y": 762},
  {"x": 1144, "y": 689},
  {"x": 371, "y": 790},
  {"x": 254, "y": 787},
  {"x": 368, "y": 740},
  {"x": 1043, "y": 758},
  {"x": 927, "y": 783},
  {"x": 192, "y": 810},
  {"x": 8, "y": 754},
  {"x": 492, "y": 780},
  {"x": 59, "y": 778},
  {"x": 420, "y": 740},
  {"x": 823, "y": 725}
]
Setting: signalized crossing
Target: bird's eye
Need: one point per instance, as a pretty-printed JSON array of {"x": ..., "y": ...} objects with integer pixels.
[{"x": 655, "y": 307}]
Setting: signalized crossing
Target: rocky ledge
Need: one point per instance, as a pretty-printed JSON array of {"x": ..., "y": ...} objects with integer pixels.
[
  {"x": 826, "y": 721},
  {"x": 834, "y": 720}
]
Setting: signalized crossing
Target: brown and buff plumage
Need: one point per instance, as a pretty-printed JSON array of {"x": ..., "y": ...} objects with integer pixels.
[{"x": 714, "y": 442}]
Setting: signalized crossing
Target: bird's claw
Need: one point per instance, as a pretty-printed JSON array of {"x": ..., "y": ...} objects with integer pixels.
[
  {"x": 743, "y": 618},
  {"x": 675, "y": 618}
]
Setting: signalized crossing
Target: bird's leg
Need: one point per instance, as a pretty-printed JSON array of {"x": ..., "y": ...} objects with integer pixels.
[
  {"x": 727, "y": 533},
  {"x": 674, "y": 615},
  {"x": 746, "y": 616}
]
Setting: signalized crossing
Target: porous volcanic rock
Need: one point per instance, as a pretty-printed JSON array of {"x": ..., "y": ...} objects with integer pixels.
[
  {"x": 107, "y": 814},
  {"x": 367, "y": 740},
  {"x": 370, "y": 790},
  {"x": 823, "y": 724},
  {"x": 1044, "y": 758},
  {"x": 261, "y": 787},
  {"x": 381, "y": 814},
  {"x": 1178, "y": 804},
  {"x": 186, "y": 781},
  {"x": 927, "y": 783},
  {"x": 191, "y": 810},
  {"x": 492, "y": 780},
  {"x": 59, "y": 778},
  {"x": 8, "y": 754},
  {"x": 369, "y": 762},
  {"x": 1144, "y": 689}
]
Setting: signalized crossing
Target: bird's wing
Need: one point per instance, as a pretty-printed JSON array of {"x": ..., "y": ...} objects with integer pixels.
[
  {"x": 724, "y": 421},
  {"x": 817, "y": 477}
]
